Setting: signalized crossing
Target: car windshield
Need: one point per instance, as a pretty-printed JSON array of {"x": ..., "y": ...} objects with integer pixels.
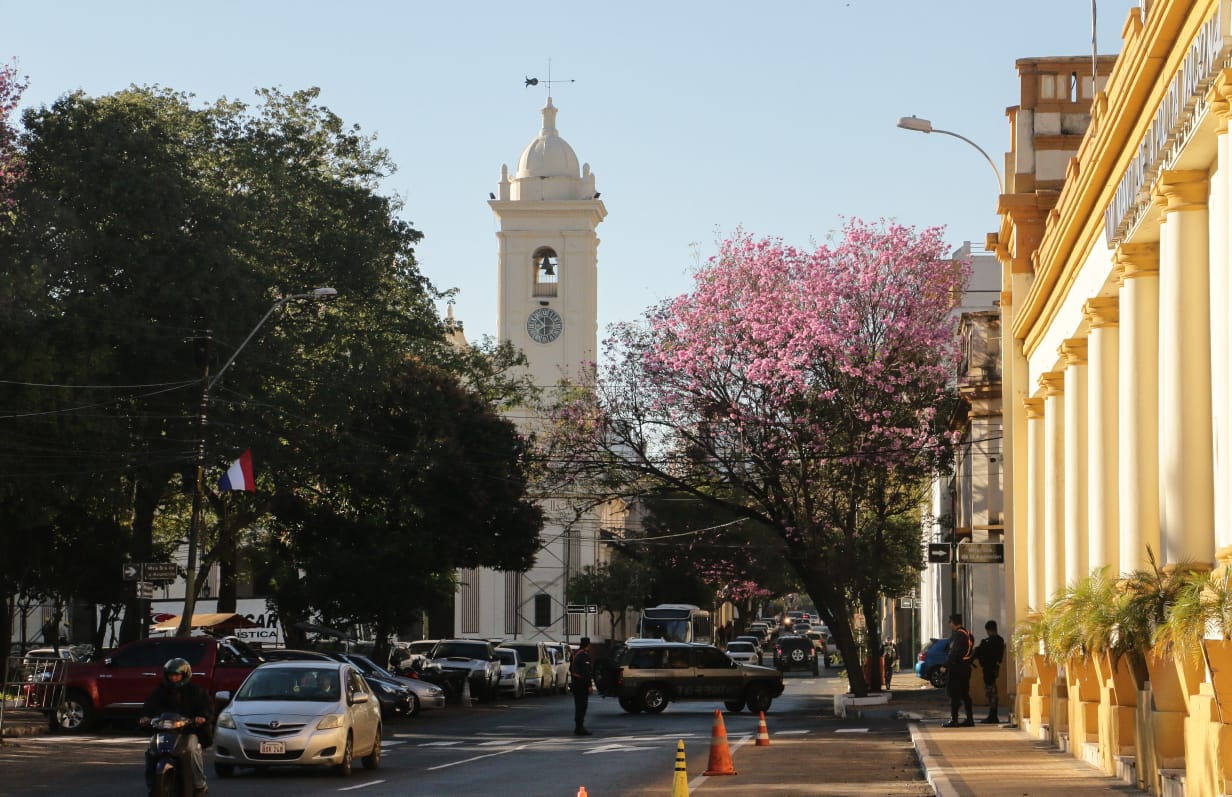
[
  {"x": 299, "y": 683},
  {"x": 422, "y": 646},
  {"x": 367, "y": 666},
  {"x": 507, "y": 656},
  {"x": 739, "y": 647},
  {"x": 463, "y": 650},
  {"x": 526, "y": 652}
]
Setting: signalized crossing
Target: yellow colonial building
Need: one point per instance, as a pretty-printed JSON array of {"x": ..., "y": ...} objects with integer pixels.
[{"x": 1117, "y": 403}]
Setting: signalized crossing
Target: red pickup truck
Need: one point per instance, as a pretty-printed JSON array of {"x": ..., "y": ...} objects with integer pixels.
[{"x": 117, "y": 686}]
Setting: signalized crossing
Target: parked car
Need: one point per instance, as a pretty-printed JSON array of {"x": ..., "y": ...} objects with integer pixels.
[
  {"x": 513, "y": 674},
  {"x": 472, "y": 661},
  {"x": 743, "y": 651},
  {"x": 928, "y": 662},
  {"x": 793, "y": 652},
  {"x": 118, "y": 685},
  {"x": 649, "y": 674},
  {"x": 424, "y": 695},
  {"x": 417, "y": 651},
  {"x": 761, "y": 631},
  {"x": 299, "y": 713},
  {"x": 561, "y": 657},
  {"x": 533, "y": 656}
]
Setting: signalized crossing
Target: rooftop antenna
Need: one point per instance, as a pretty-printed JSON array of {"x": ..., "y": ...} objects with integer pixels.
[{"x": 534, "y": 81}]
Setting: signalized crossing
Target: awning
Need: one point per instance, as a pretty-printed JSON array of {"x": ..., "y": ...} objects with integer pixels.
[{"x": 215, "y": 621}]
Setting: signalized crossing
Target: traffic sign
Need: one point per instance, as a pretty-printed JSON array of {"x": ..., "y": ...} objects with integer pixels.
[
  {"x": 939, "y": 553},
  {"x": 575, "y": 608},
  {"x": 592, "y": 609},
  {"x": 906, "y": 603},
  {"x": 981, "y": 553},
  {"x": 145, "y": 590},
  {"x": 130, "y": 572},
  {"x": 164, "y": 572}
]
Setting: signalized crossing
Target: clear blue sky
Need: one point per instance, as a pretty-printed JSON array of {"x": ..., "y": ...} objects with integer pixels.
[{"x": 696, "y": 117}]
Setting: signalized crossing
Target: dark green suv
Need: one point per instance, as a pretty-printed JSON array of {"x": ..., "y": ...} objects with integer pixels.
[
  {"x": 646, "y": 675},
  {"x": 795, "y": 653}
]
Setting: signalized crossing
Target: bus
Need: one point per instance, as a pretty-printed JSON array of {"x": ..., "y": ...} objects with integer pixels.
[{"x": 676, "y": 622}]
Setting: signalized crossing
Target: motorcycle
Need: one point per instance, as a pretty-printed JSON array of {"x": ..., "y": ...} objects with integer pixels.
[{"x": 169, "y": 749}]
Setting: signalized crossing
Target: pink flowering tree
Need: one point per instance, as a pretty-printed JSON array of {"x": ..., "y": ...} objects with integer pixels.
[
  {"x": 11, "y": 87},
  {"x": 805, "y": 390}
]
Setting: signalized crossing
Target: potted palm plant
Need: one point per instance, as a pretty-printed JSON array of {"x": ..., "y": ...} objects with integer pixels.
[{"x": 1199, "y": 629}]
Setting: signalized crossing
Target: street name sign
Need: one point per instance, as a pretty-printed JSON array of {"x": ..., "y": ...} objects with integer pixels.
[
  {"x": 939, "y": 553},
  {"x": 981, "y": 553}
]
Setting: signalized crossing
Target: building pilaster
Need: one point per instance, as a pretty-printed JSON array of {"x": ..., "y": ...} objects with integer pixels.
[
  {"x": 1138, "y": 403},
  {"x": 1103, "y": 515},
  {"x": 1033, "y": 409},
  {"x": 1074, "y": 353},
  {"x": 1053, "y": 385},
  {"x": 1185, "y": 433}
]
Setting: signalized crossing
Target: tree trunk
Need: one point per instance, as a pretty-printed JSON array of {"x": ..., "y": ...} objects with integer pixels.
[{"x": 145, "y": 505}]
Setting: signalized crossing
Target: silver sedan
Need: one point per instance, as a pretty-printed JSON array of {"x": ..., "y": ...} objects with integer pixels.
[{"x": 299, "y": 713}]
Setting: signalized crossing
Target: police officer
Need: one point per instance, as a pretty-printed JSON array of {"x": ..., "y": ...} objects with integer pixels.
[
  {"x": 581, "y": 672},
  {"x": 958, "y": 666}
]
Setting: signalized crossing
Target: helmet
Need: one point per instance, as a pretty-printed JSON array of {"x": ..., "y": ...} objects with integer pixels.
[{"x": 180, "y": 666}]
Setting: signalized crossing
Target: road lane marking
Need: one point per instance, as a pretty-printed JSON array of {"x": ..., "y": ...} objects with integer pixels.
[
  {"x": 440, "y": 744},
  {"x": 851, "y": 730},
  {"x": 361, "y": 785},
  {"x": 616, "y": 748},
  {"x": 477, "y": 758},
  {"x": 700, "y": 779}
]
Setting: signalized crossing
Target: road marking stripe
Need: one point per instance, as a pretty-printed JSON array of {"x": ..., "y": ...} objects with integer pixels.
[
  {"x": 477, "y": 758},
  {"x": 361, "y": 785}
]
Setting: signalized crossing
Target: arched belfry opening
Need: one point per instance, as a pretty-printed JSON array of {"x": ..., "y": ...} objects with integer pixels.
[{"x": 546, "y": 268}]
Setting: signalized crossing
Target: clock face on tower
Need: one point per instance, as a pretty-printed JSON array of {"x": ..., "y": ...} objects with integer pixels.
[{"x": 544, "y": 325}]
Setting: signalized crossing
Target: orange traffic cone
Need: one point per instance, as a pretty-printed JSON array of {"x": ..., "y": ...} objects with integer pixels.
[
  {"x": 680, "y": 781},
  {"x": 720, "y": 756},
  {"x": 763, "y": 735},
  {"x": 581, "y": 791}
]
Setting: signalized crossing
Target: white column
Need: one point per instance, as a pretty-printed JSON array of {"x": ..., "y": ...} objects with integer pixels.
[
  {"x": 1138, "y": 400},
  {"x": 1074, "y": 353},
  {"x": 1185, "y": 435},
  {"x": 1053, "y": 384},
  {"x": 1033, "y": 408},
  {"x": 1103, "y": 517}
]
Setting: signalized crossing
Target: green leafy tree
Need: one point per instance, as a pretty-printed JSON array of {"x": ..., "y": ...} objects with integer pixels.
[
  {"x": 146, "y": 238},
  {"x": 616, "y": 587}
]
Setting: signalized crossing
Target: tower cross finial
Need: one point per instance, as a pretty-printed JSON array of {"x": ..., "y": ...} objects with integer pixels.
[{"x": 534, "y": 81}]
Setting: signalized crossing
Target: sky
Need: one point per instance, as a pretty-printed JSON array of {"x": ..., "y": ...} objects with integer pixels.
[{"x": 697, "y": 118}]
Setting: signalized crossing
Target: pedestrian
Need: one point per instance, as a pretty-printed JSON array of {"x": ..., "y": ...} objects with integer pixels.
[
  {"x": 889, "y": 654},
  {"x": 988, "y": 655},
  {"x": 178, "y": 695},
  {"x": 581, "y": 673},
  {"x": 957, "y": 667}
]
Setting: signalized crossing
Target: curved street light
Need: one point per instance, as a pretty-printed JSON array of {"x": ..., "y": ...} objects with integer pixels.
[
  {"x": 190, "y": 577},
  {"x": 925, "y": 126}
]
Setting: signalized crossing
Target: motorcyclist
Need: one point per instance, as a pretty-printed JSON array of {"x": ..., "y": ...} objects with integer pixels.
[{"x": 177, "y": 694}]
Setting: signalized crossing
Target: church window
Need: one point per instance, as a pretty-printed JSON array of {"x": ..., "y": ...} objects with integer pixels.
[{"x": 546, "y": 270}]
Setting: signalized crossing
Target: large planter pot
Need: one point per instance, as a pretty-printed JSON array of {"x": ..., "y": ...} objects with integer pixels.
[
  {"x": 1120, "y": 679},
  {"x": 1173, "y": 679}
]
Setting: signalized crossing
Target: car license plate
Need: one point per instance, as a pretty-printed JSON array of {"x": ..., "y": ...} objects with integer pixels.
[{"x": 273, "y": 748}]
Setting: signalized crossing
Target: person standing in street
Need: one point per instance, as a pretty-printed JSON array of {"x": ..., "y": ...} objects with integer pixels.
[
  {"x": 889, "y": 655},
  {"x": 988, "y": 655},
  {"x": 581, "y": 673},
  {"x": 958, "y": 668}
]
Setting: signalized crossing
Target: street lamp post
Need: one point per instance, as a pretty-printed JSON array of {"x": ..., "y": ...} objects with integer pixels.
[
  {"x": 925, "y": 126},
  {"x": 190, "y": 576}
]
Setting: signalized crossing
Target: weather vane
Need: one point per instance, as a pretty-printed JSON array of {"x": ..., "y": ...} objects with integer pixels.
[{"x": 534, "y": 81}]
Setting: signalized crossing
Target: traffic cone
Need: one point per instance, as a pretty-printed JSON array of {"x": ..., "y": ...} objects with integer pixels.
[
  {"x": 763, "y": 735},
  {"x": 581, "y": 791},
  {"x": 680, "y": 781},
  {"x": 720, "y": 756}
]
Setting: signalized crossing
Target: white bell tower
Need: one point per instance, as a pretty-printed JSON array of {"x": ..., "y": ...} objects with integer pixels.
[
  {"x": 547, "y": 306},
  {"x": 547, "y": 278}
]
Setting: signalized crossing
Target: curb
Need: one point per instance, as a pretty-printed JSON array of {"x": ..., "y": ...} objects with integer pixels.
[{"x": 934, "y": 773}]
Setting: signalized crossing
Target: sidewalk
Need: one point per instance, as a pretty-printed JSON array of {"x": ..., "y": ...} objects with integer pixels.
[{"x": 993, "y": 760}]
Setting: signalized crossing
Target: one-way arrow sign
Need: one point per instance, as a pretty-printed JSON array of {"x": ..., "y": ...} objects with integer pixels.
[{"x": 130, "y": 572}]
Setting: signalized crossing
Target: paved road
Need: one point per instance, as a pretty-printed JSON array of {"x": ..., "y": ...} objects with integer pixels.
[{"x": 525, "y": 748}]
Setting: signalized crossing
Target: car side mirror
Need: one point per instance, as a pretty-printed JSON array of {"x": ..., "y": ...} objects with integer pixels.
[
  {"x": 358, "y": 697},
  {"x": 223, "y": 698}
]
